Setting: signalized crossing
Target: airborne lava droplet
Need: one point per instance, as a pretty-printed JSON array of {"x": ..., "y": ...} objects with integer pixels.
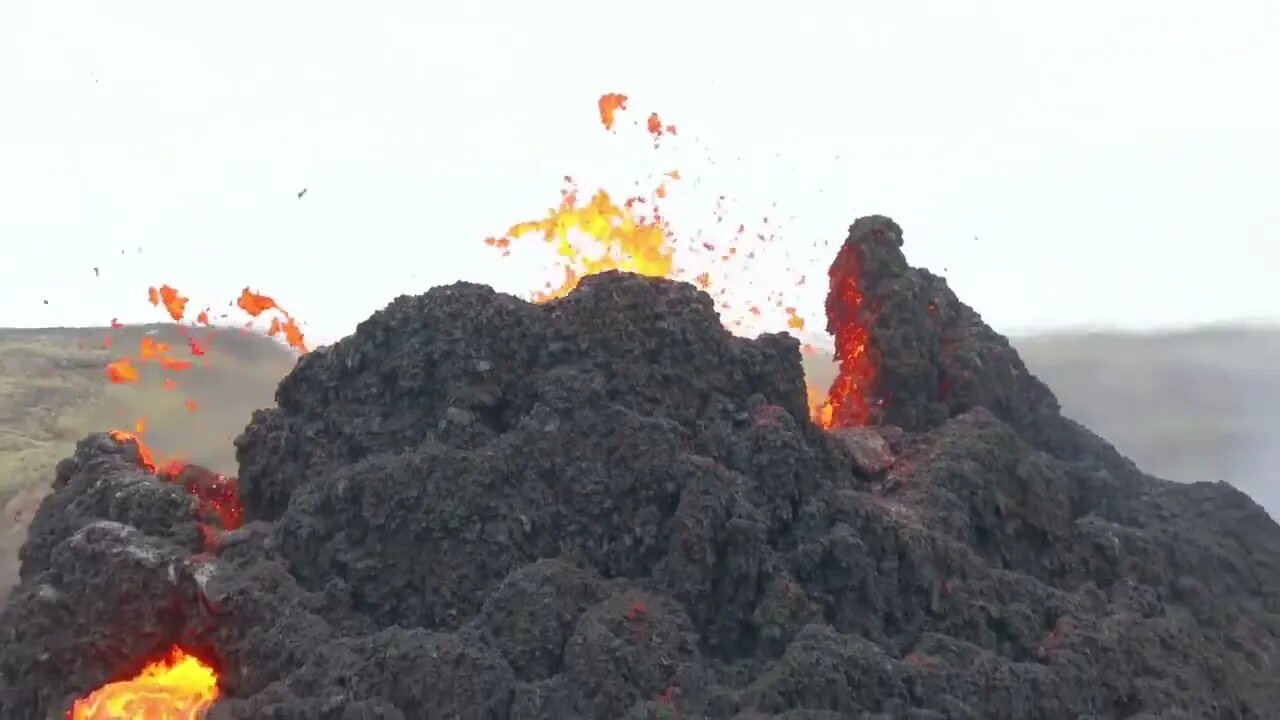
[
  {"x": 255, "y": 304},
  {"x": 611, "y": 103},
  {"x": 122, "y": 372},
  {"x": 173, "y": 302}
]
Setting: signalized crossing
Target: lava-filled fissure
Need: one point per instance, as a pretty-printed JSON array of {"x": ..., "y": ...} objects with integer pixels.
[{"x": 850, "y": 402}]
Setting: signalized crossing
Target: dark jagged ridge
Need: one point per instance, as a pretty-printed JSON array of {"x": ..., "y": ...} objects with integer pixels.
[{"x": 607, "y": 506}]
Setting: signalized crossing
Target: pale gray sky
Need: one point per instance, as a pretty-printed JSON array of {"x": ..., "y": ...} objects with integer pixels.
[{"x": 1116, "y": 161}]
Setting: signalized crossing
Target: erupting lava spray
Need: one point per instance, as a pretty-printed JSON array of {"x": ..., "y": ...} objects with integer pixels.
[
  {"x": 632, "y": 233},
  {"x": 599, "y": 231}
]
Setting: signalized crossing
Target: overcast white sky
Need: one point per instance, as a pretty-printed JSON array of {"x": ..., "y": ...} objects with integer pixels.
[{"x": 1098, "y": 163}]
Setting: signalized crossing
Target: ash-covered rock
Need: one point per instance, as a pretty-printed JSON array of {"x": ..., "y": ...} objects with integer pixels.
[{"x": 608, "y": 507}]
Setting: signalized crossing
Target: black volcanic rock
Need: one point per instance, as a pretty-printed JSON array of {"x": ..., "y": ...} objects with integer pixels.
[{"x": 609, "y": 507}]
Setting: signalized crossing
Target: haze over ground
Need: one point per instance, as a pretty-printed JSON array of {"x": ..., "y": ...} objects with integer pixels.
[{"x": 1105, "y": 164}]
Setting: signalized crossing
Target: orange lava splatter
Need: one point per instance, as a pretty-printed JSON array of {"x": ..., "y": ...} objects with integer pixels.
[
  {"x": 121, "y": 372},
  {"x": 256, "y": 304},
  {"x": 149, "y": 349},
  {"x": 179, "y": 686},
  {"x": 173, "y": 302},
  {"x": 146, "y": 458},
  {"x": 611, "y": 103},
  {"x": 656, "y": 128},
  {"x": 849, "y": 401}
]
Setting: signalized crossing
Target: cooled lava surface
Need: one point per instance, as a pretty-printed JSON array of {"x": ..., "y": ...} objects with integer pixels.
[{"x": 607, "y": 506}]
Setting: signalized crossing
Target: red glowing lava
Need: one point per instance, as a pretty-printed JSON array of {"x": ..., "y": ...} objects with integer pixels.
[{"x": 849, "y": 401}]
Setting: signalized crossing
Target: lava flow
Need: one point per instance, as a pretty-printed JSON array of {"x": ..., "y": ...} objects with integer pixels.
[{"x": 177, "y": 687}]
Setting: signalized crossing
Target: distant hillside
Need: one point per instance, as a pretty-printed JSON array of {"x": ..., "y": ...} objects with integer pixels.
[
  {"x": 53, "y": 391},
  {"x": 1198, "y": 404}
]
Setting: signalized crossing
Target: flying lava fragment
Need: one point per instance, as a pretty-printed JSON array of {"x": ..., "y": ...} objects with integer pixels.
[
  {"x": 173, "y": 302},
  {"x": 610, "y": 104},
  {"x": 256, "y": 304},
  {"x": 122, "y": 372}
]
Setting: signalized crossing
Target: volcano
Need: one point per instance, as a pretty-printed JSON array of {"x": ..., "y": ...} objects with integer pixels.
[{"x": 608, "y": 506}]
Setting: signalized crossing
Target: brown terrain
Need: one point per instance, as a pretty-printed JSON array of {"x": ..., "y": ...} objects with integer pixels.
[{"x": 1201, "y": 404}]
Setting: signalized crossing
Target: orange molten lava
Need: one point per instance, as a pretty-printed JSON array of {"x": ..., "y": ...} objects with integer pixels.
[
  {"x": 256, "y": 304},
  {"x": 610, "y": 104},
  {"x": 173, "y": 302},
  {"x": 177, "y": 687},
  {"x": 849, "y": 401},
  {"x": 122, "y": 371}
]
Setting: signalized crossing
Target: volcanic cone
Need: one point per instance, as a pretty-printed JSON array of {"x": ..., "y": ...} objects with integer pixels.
[{"x": 607, "y": 506}]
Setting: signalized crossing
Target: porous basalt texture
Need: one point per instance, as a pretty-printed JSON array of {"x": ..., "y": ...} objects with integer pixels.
[{"x": 606, "y": 506}]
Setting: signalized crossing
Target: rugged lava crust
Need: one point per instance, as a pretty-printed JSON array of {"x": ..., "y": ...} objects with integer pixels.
[{"x": 606, "y": 506}]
